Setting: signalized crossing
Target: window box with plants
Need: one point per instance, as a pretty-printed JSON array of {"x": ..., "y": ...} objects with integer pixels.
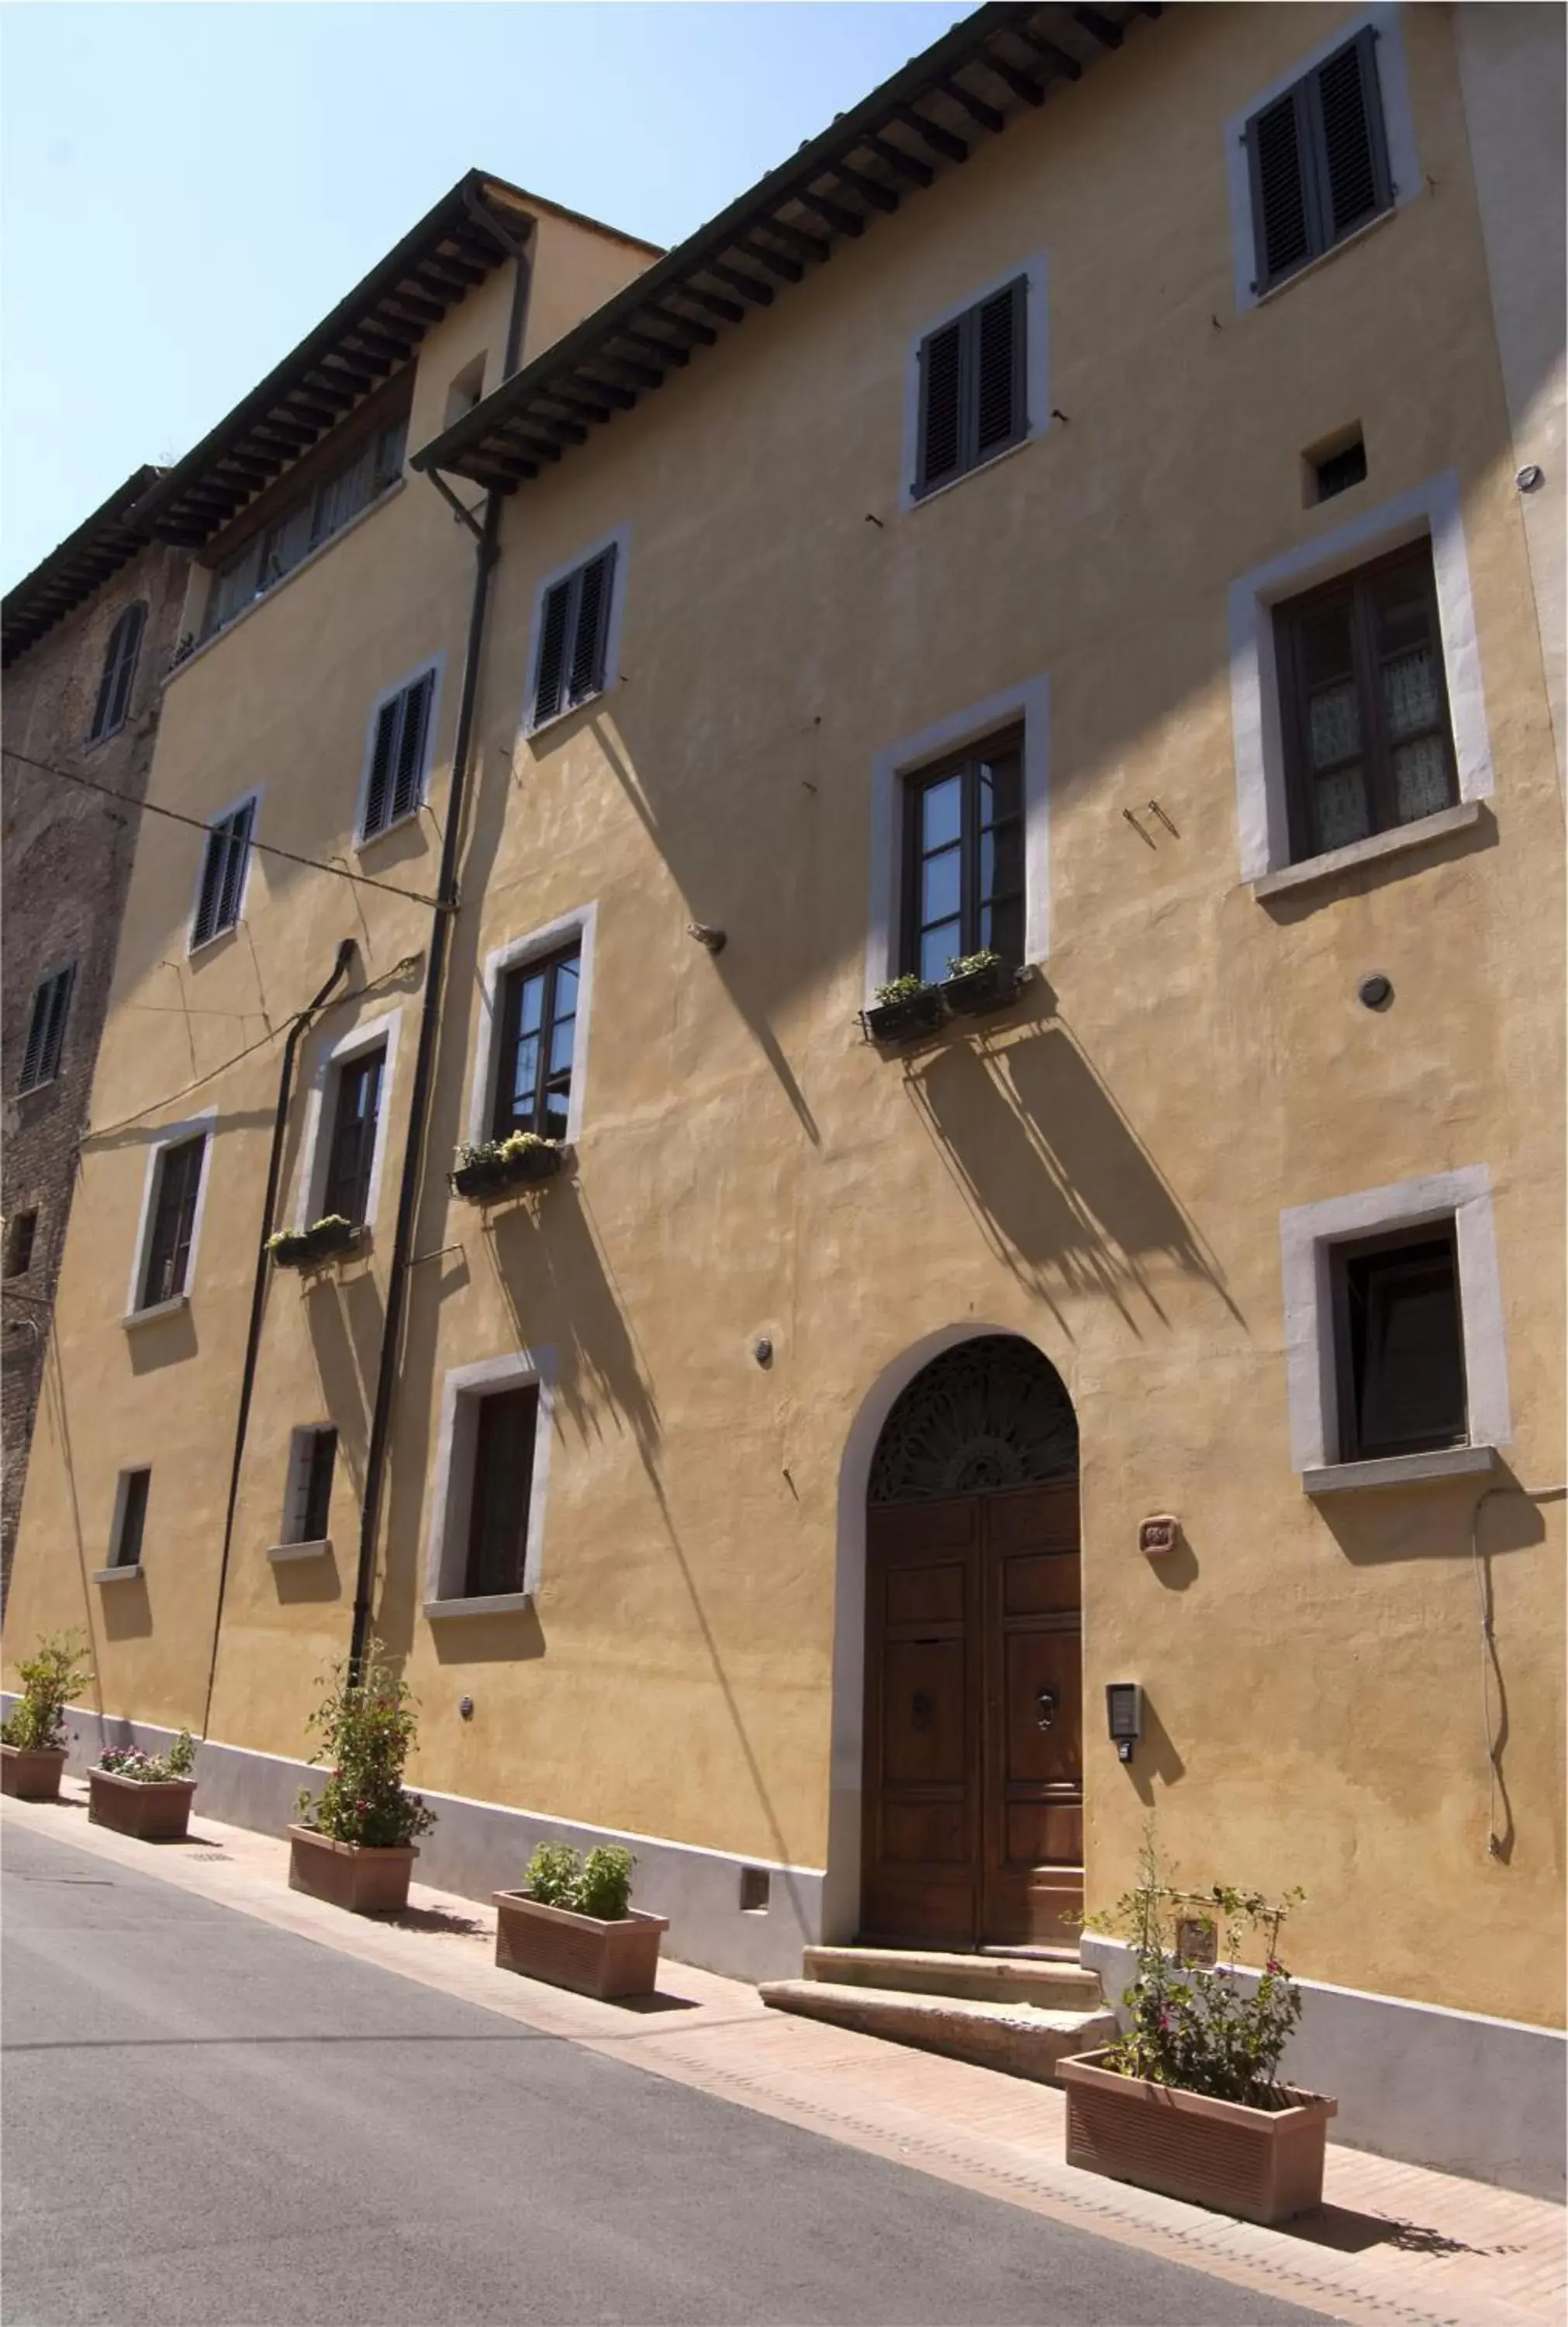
[
  {"x": 325, "y": 1239},
  {"x": 905, "y": 1008},
  {"x": 33, "y": 1736},
  {"x": 491, "y": 1167},
  {"x": 977, "y": 982},
  {"x": 573, "y": 1924},
  {"x": 353, "y": 1844},
  {"x": 147, "y": 1796},
  {"x": 1188, "y": 2100}
]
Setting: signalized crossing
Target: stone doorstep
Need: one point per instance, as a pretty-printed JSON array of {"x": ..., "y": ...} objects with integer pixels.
[
  {"x": 1021, "y": 2040},
  {"x": 1057, "y": 1984}
]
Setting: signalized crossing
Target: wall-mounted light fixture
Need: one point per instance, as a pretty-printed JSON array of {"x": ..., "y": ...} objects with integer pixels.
[{"x": 1124, "y": 1714}]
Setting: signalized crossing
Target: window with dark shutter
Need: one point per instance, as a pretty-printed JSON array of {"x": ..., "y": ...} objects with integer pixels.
[
  {"x": 397, "y": 755},
  {"x": 119, "y": 672},
  {"x": 963, "y": 859},
  {"x": 46, "y": 1029},
  {"x": 179, "y": 1183},
  {"x": 1399, "y": 1344},
  {"x": 223, "y": 869},
  {"x": 352, "y": 1151},
  {"x": 1318, "y": 162},
  {"x": 573, "y": 637},
  {"x": 974, "y": 389},
  {"x": 1369, "y": 743},
  {"x": 503, "y": 1479},
  {"x": 539, "y": 1022},
  {"x": 126, "y": 1550}
]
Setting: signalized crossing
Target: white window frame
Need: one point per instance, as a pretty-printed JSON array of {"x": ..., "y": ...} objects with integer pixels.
[
  {"x": 170, "y": 1135},
  {"x": 1030, "y": 702},
  {"x": 1430, "y": 511},
  {"x": 620, "y": 540},
  {"x": 583, "y": 925},
  {"x": 436, "y": 663},
  {"x": 1309, "y": 1236},
  {"x": 251, "y": 799},
  {"x": 1036, "y": 376},
  {"x": 451, "y": 1497},
  {"x": 314, "y": 1152},
  {"x": 1399, "y": 139}
]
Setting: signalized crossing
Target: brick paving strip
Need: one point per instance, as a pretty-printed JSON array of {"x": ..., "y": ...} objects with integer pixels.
[{"x": 1394, "y": 2244}]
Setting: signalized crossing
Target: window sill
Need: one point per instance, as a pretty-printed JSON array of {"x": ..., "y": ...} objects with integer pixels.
[
  {"x": 117, "y": 1574},
  {"x": 1324, "y": 257},
  {"x": 1404, "y": 836},
  {"x": 1401, "y": 1469},
  {"x": 365, "y": 840},
  {"x": 914, "y": 500},
  {"x": 280, "y": 1553},
  {"x": 266, "y": 596},
  {"x": 230, "y": 930},
  {"x": 493, "y": 1604},
  {"x": 556, "y": 719},
  {"x": 134, "y": 1317}
]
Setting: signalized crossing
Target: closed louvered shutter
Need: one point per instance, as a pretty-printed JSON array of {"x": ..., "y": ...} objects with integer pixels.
[
  {"x": 999, "y": 370},
  {"x": 119, "y": 671},
  {"x": 378, "y": 791},
  {"x": 590, "y": 631},
  {"x": 1348, "y": 122},
  {"x": 941, "y": 370},
  {"x": 223, "y": 874},
  {"x": 973, "y": 387},
  {"x": 550, "y": 676},
  {"x": 408, "y": 777},
  {"x": 1279, "y": 184},
  {"x": 46, "y": 1030},
  {"x": 1318, "y": 162}
]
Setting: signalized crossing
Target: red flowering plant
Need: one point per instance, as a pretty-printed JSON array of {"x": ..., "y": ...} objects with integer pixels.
[
  {"x": 367, "y": 1726},
  {"x": 1197, "y": 2022}
]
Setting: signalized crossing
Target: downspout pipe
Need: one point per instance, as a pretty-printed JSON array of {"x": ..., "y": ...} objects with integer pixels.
[
  {"x": 485, "y": 555},
  {"x": 339, "y": 970}
]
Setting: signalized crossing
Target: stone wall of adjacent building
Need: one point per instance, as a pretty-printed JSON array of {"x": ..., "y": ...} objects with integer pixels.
[{"x": 64, "y": 867}]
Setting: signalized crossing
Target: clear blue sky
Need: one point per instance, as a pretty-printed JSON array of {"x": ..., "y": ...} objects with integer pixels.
[{"x": 187, "y": 188}]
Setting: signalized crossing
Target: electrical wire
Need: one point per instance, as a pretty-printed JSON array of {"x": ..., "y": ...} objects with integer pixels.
[
  {"x": 265, "y": 848},
  {"x": 1490, "y": 1639}
]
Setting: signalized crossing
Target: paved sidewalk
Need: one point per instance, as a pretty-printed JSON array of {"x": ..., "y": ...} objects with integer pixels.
[{"x": 1392, "y": 2244}]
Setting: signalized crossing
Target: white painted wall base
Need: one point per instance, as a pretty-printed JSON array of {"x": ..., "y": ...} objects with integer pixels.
[
  {"x": 478, "y": 1848},
  {"x": 1453, "y": 2090}
]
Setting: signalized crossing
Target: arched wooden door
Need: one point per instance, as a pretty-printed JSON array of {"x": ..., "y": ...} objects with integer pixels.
[{"x": 973, "y": 1802}]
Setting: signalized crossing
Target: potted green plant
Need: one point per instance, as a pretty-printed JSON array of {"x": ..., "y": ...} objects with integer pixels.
[
  {"x": 490, "y": 1166},
  {"x": 323, "y": 1240},
  {"x": 573, "y": 1924},
  {"x": 1187, "y": 2100},
  {"x": 33, "y": 1737},
  {"x": 147, "y": 1796},
  {"x": 977, "y": 982},
  {"x": 353, "y": 1844},
  {"x": 905, "y": 1008}
]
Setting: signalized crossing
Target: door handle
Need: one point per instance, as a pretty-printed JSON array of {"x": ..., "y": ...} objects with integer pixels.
[{"x": 1046, "y": 1703}]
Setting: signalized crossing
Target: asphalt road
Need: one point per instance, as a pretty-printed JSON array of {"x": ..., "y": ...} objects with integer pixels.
[{"x": 210, "y": 2120}]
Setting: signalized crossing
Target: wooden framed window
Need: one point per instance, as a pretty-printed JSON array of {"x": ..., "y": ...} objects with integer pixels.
[
  {"x": 538, "y": 1027},
  {"x": 113, "y": 701},
  {"x": 1369, "y": 743},
  {"x": 398, "y": 750},
  {"x": 175, "y": 1199},
  {"x": 973, "y": 399},
  {"x": 1318, "y": 159},
  {"x": 46, "y": 1029},
  {"x": 351, "y": 1151},
  {"x": 224, "y": 864},
  {"x": 342, "y": 492},
  {"x": 503, "y": 1480},
  {"x": 312, "y": 1460},
  {"x": 569, "y": 666},
  {"x": 963, "y": 858},
  {"x": 132, "y": 1524},
  {"x": 1399, "y": 1344}
]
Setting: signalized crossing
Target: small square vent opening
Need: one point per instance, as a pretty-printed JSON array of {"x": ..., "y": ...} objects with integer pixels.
[
  {"x": 755, "y": 1885},
  {"x": 1333, "y": 466}
]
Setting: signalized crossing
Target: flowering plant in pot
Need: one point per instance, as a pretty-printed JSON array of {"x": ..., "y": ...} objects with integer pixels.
[
  {"x": 33, "y": 1737},
  {"x": 975, "y": 982},
  {"x": 301, "y": 1247},
  {"x": 146, "y": 1795},
  {"x": 353, "y": 1844},
  {"x": 1188, "y": 2100},
  {"x": 904, "y": 1007},
  {"x": 489, "y": 1165},
  {"x": 574, "y": 1925}
]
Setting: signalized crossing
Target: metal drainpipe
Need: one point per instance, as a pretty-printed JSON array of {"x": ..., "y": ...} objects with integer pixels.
[
  {"x": 258, "y": 1295},
  {"x": 485, "y": 556}
]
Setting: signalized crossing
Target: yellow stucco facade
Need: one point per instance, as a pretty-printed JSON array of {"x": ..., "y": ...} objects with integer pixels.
[{"x": 1103, "y": 1170}]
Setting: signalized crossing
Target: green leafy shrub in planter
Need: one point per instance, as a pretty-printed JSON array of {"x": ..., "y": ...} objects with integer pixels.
[
  {"x": 903, "y": 989},
  {"x": 971, "y": 965},
  {"x": 1194, "y": 2026},
  {"x": 598, "y": 1885},
  {"x": 367, "y": 1728},
  {"x": 150, "y": 1768},
  {"x": 51, "y": 1677}
]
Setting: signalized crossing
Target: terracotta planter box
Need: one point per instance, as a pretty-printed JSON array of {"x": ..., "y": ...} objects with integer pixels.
[
  {"x": 578, "y": 1951},
  {"x": 32, "y": 1773},
  {"x": 1262, "y": 2164},
  {"x": 159, "y": 1811},
  {"x": 365, "y": 1880}
]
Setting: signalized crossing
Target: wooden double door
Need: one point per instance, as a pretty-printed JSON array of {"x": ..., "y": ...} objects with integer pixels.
[{"x": 973, "y": 1803}]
